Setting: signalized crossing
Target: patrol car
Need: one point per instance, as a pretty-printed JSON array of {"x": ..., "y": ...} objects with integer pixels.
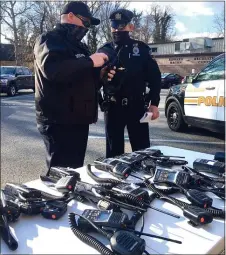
[{"x": 201, "y": 101}]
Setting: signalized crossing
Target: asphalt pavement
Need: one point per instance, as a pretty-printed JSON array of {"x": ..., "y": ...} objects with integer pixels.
[{"x": 23, "y": 153}]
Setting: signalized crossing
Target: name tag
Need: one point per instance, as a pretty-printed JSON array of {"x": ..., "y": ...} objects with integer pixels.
[{"x": 79, "y": 55}]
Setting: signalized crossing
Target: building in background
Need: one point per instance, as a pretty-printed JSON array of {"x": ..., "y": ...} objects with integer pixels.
[
  {"x": 7, "y": 55},
  {"x": 187, "y": 56}
]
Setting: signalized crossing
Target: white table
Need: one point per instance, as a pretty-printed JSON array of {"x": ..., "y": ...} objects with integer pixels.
[{"x": 37, "y": 235}]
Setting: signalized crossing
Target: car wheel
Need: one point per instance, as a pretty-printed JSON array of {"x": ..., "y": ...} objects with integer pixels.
[
  {"x": 11, "y": 90},
  {"x": 174, "y": 117}
]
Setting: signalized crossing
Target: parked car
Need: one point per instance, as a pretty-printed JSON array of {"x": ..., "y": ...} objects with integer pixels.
[
  {"x": 14, "y": 78},
  {"x": 201, "y": 102},
  {"x": 170, "y": 79}
]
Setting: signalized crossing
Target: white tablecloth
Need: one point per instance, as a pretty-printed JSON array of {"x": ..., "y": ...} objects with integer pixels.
[{"x": 37, "y": 235}]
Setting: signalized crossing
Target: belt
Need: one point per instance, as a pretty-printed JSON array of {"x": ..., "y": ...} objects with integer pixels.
[{"x": 124, "y": 101}]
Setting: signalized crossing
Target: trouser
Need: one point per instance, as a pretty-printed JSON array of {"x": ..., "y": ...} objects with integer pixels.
[
  {"x": 65, "y": 144},
  {"x": 116, "y": 119}
]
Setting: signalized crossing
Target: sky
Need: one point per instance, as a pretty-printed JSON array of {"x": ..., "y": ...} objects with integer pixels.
[{"x": 192, "y": 19}]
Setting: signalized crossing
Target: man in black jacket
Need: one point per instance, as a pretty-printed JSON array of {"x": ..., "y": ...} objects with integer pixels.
[
  {"x": 125, "y": 100},
  {"x": 66, "y": 85}
]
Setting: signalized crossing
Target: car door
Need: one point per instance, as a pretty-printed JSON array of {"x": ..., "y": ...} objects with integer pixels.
[
  {"x": 27, "y": 77},
  {"x": 170, "y": 80},
  {"x": 177, "y": 78},
  {"x": 19, "y": 78},
  {"x": 201, "y": 96},
  {"x": 221, "y": 91}
]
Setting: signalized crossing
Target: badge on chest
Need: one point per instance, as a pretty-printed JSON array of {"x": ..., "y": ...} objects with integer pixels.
[{"x": 136, "y": 51}]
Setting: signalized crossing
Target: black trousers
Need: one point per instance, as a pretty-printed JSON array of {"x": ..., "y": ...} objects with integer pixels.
[
  {"x": 65, "y": 144},
  {"x": 116, "y": 119}
]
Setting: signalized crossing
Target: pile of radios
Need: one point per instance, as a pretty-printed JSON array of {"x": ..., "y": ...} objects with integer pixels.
[{"x": 137, "y": 179}]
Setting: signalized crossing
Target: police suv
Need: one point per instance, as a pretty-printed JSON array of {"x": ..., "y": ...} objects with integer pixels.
[{"x": 201, "y": 101}]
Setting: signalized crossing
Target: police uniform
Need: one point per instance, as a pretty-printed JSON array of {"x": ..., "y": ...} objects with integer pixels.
[{"x": 124, "y": 100}]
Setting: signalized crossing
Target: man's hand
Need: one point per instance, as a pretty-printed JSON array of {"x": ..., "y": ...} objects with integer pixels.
[
  {"x": 111, "y": 73},
  {"x": 155, "y": 111},
  {"x": 99, "y": 59}
]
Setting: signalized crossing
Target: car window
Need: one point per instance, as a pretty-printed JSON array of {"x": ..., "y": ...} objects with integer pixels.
[
  {"x": 163, "y": 75},
  {"x": 171, "y": 76},
  {"x": 26, "y": 71},
  {"x": 19, "y": 71},
  {"x": 214, "y": 71},
  {"x": 7, "y": 70}
]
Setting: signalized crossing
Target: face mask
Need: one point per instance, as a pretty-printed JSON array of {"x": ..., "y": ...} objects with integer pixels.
[
  {"x": 79, "y": 32},
  {"x": 120, "y": 36},
  {"x": 75, "y": 32}
]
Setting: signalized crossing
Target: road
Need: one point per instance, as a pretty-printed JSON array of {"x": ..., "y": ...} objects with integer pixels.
[{"x": 22, "y": 149}]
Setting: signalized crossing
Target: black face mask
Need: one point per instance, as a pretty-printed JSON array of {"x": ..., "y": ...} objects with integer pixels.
[
  {"x": 74, "y": 32},
  {"x": 79, "y": 32},
  {"x": 120, "y": 36}
]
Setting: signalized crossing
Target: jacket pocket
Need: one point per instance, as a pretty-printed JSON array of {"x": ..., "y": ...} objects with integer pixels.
[{"x": 83, "y": 110}]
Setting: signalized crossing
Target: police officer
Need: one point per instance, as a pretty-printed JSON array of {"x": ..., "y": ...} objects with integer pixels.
[
  {"x": 124, "y": 100},
  {"x": 66, "y": 84}
]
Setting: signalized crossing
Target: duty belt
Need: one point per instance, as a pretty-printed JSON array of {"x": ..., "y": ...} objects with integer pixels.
[{"x": 124, "y": 101}]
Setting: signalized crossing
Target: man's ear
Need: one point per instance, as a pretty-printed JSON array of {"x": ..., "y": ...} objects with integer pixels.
[
  {"x": 70, "y": 16},
  {"x": 131, "y": 27}
]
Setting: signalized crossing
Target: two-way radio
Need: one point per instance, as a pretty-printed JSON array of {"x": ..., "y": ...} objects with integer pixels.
[
  {"x": 122, "y": 241},
  {"x": 172, "y": 177},
  {"x": 209, "y": 166},
  {"x": 113, "y": 166},
  {"x": 106, "y": 219},
  {"x": 182, "y": 179},
  {"x": 5, "y": 231},
  {"x": 197, "y": 216}
]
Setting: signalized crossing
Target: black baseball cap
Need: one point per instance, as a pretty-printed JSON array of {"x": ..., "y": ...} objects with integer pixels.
[
  {"x": 120, "y": 18},
  {"x": 80, "y": 8}
]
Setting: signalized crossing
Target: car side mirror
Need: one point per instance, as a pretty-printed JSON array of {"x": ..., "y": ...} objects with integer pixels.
[{"x": 17, "y": 74}]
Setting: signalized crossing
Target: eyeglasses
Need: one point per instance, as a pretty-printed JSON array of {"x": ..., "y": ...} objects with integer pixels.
[{"x": 86, "y": 22}]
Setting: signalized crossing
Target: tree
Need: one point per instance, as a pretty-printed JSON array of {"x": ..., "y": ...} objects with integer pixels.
[
  {"x": 219, "y": 23},
  {"x": 157, "y": 24},
  {"x": 92, "y": 36},
  {"x": 11, "y": 13},
  {"x": 147, "y": 27},
  {"x": 43, "y": 16},
  {"x": 24, "y": 48},
  {"x": 137, "y": 19}
]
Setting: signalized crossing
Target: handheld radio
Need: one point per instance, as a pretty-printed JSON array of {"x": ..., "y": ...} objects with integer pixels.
[
  {"x": 118, "y": 169},
  {"x": 107, "y": 218},
  {"x": 209, "y": 166},
  {"x": 172, "y": 177}
]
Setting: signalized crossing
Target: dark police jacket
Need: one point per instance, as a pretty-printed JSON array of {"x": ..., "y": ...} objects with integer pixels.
[
  {"x": 139, "y": 69},
  {"x": 65, "y": 79}
]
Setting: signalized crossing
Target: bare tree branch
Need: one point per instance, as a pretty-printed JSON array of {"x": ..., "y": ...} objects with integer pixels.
[{"x": 219, "y": 23}]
